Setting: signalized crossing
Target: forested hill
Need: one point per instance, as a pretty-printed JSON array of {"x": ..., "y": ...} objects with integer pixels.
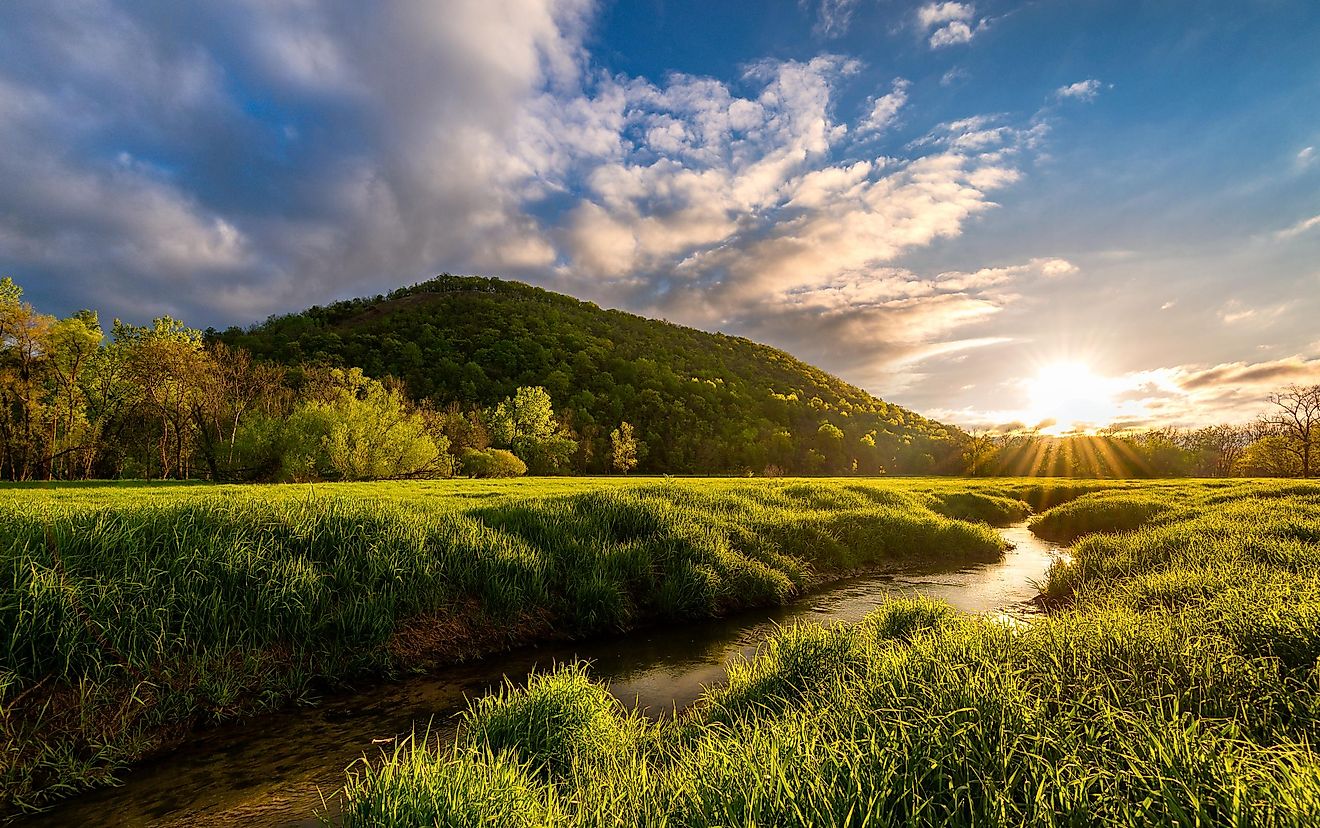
[{"x": 700, "y": 402}]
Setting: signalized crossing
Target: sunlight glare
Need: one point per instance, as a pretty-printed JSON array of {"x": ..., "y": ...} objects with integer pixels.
[{"x": 1071, "y": 398}]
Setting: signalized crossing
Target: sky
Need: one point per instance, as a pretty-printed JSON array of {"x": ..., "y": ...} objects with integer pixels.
[{"x": 992, "y": 212}]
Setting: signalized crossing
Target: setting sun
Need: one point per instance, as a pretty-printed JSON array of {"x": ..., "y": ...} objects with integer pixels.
[{"x": 1068, "y": 397}]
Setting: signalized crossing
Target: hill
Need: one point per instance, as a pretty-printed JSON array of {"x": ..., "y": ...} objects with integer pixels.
[{"x": 701, "y": 402}]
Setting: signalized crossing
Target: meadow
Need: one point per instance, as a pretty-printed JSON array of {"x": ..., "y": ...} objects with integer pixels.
[
  {"x": 133, "y": 614},
  {"x": 1173, "y": 681}
]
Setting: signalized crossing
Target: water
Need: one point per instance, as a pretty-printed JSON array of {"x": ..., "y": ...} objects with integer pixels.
[{"x": 282, "y": 769}]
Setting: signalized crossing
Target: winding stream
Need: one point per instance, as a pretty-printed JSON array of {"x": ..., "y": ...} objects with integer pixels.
[{"x": 274, "y": 770}]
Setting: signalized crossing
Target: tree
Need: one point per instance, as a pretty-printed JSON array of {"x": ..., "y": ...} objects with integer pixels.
[
  {"x": 23, "y": 334},
  {"x": 365, "y": 432},
  {"x": 1268, "y": 456},
  {"x": 1218, "y": 448},
  {"x": 528, "y": 414},
  {"x": 72, "y": 347},
  {"x": 526, "y": 424},
  {"x": 236, "y": 384},
  {"x": 623, "y": 448},
  {"x": 980, "y": 450},
  {"x": 168, "y": 368},
  {"x": 829, "y": 444},
  {"x": 1297, "y": 417}
]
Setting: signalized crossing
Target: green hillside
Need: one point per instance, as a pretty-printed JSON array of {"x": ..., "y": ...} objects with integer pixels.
[{"x": 700, "y": 402}]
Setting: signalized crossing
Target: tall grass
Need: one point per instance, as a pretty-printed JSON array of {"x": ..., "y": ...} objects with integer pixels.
[
  {"x": 1176, "y": 685},
  {"x": 130, "y": 615}
]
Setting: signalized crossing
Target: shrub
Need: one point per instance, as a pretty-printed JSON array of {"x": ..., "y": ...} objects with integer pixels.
[{"x": 492, "y": 463}]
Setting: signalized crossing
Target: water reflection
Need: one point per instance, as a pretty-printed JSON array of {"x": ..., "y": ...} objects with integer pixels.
[{"x": 274, "y": 770}]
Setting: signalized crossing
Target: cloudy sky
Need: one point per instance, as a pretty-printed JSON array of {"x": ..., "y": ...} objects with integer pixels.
[{"x": 938, "y": 201}]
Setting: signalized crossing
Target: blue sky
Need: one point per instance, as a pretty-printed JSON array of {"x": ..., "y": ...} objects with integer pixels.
[{"x": 934, "y": 200}]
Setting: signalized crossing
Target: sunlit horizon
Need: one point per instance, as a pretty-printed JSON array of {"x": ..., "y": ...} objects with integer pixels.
[{"x": 1072, "y": 398}]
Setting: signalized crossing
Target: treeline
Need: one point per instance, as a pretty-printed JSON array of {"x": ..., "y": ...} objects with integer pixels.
[
  {"x": 161, "y": 401},
  {"x": 167, "y": 401},
  {"x": 542, "y": 384},
  {"x": 1284, "y": 441}
]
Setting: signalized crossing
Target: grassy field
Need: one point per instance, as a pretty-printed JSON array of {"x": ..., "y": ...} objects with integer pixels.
[
  {"x": 1174, "y": 682},
  {"x": 132, "y": 614}
]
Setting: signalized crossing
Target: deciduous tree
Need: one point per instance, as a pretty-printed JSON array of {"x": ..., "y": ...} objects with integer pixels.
[
  {"x": 1296, "y": 416},
  {"x": 623, "y": 448}
]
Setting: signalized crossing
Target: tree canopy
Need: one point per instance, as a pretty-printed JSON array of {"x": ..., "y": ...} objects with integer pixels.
[{"x": 701, "y": 402}]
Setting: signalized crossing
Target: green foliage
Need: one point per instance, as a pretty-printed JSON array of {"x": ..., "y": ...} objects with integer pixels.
[
  {"x": 487, "y": 463},
  {"x": 1177, "y": 687},
  {"x": 550, "y": 722},
  {"x": 1270, "y": 456},
  {"x": 361, "y": 430},
  {"x": 526, "y": 424},
  {"x": 129, "y": 612},
  {"x": 527, "y": 415},
  {"x": 702, "y": 402},
  {"x": 1102, "y": 512},
  {"x": 623, "y": 448}
]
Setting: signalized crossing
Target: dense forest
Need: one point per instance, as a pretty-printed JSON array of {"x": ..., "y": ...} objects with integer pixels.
[
  {"x": 486, "y": 378},
  {"x": 699, "y": 402}
]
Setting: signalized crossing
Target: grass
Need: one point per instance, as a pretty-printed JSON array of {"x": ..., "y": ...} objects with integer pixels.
[
  {"x": 1175, "y": 683},
  {"x": 130, "y": 615}
]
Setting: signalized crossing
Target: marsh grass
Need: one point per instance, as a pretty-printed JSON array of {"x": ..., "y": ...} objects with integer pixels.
[
  {"x": 1177, "y": 685},
  {"x": 130, "y": 615}
]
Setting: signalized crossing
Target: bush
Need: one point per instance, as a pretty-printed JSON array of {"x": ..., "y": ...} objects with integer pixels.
[{"x": 492, "y": 463}]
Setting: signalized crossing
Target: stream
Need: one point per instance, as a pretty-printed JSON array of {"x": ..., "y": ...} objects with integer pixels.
[{"x": 282, "y": 769}]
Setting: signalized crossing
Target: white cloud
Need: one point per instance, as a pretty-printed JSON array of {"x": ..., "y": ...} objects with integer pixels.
[
  {"x": 479, "y": 137},
  {"x": 1083, "y": 90},
  {"x": 1048, "y": 268},
  {"x": 952, "y": 23},
  {"x": 1236, "y": 314},
  {"x": 1305, "y": 156},
  {"x": 833, "y": 16},
  {"x": 1180, "y": 396},
  {"x": 952, "y": 76},
  {"x": 1235, "y": 311},
  {"x": 421, "y": 164},
  {"x": 884, "y": 110},
  {"x": 952, "y": 34},
  {"x": 1055, "y": 268},
  {"x": 1298, "y": 229},
  {"x": 933, "y": 14}
]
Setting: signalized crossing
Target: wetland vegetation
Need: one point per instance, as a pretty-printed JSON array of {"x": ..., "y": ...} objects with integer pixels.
[
  {"x": 1173, "y": 683},
  {"x": 134, "y": 614}
]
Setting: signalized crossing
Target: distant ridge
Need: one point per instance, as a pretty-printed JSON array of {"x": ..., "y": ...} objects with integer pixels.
[{"x": 702, "y": 402}]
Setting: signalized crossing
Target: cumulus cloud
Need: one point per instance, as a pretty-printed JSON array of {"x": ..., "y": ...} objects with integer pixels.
[
  {"x": 949, "y": 23},
  {"x": 1191, "y": 395},
  {"x": 239, "y": 158},
  {"x": 885, "y": 109},
  {"x": 1267, "y": 375},
  {"x": 952, "y": 76},
  {"x": 1083, "y": 90},
  {"x": 934, "y": 14},
  {"x": 226, "y": 161}
]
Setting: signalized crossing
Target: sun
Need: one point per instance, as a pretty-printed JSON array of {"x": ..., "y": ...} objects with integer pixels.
[{"x": 1070, "y": 397}]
